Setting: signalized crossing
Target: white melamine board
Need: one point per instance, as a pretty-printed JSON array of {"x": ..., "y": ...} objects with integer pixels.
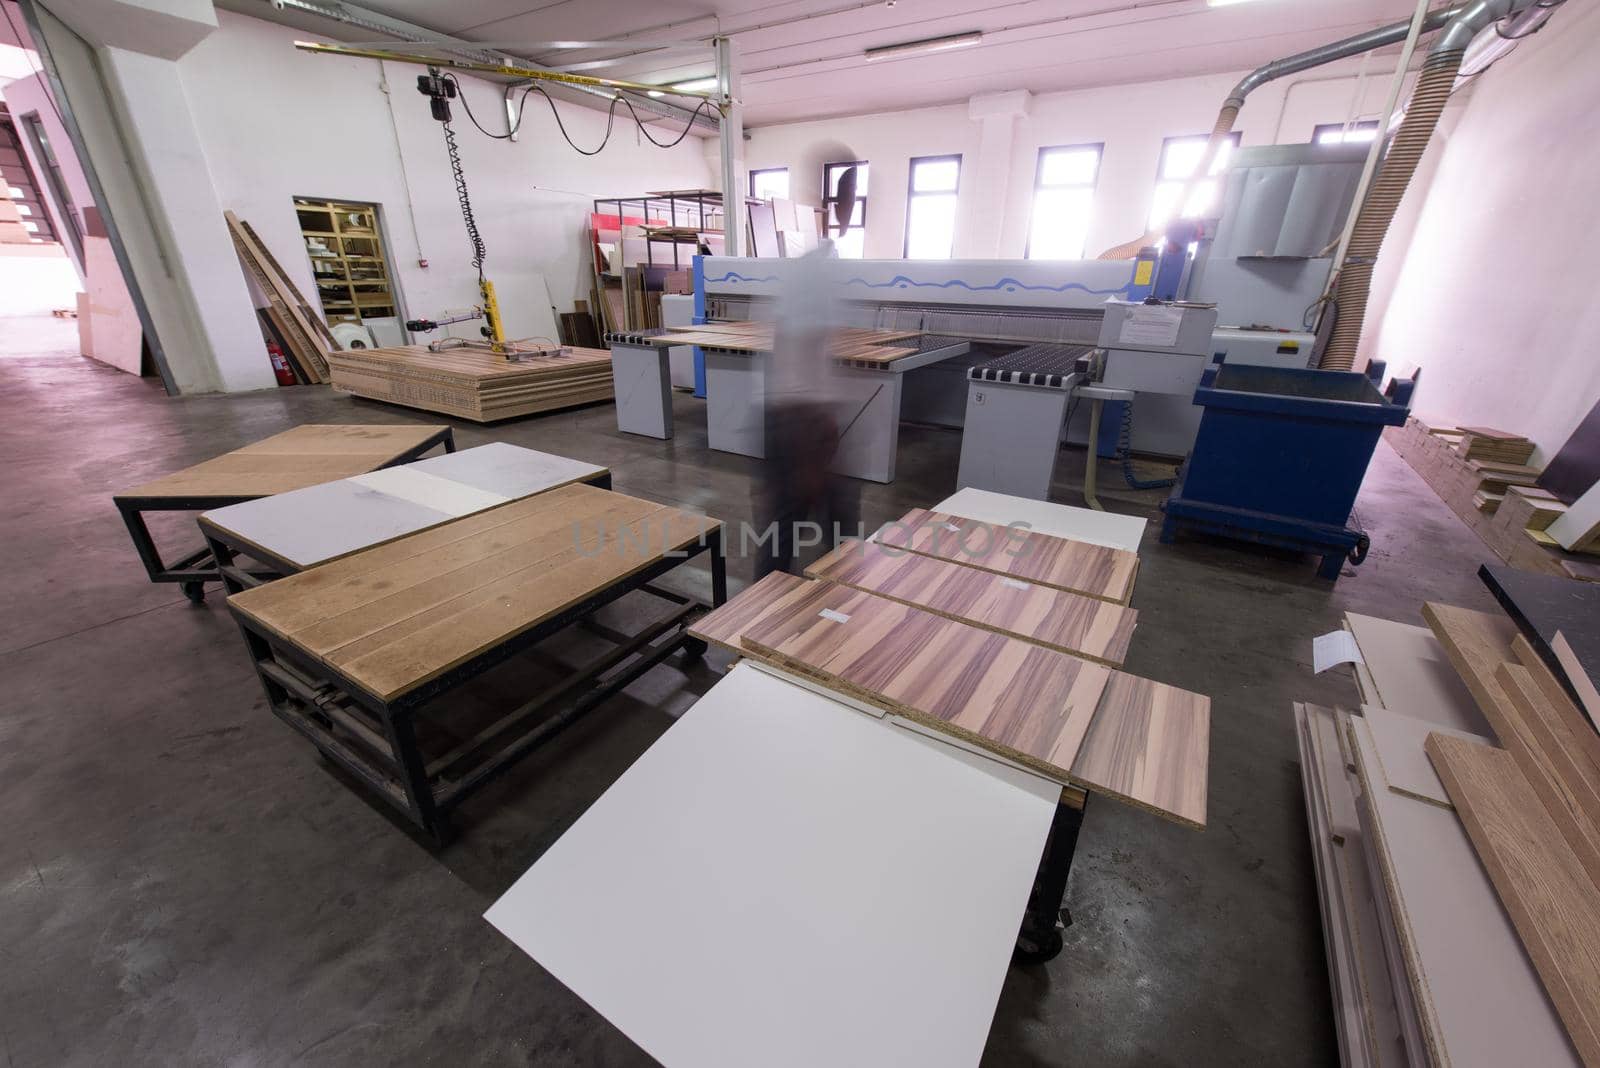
[
  {"x": 1336, "y": 814},
  {"x": 313, "y": 525},
  {"x": 1057, "y": 520},
  {"x": 1408, "y": 668},
  {"x": 1478, "y": 998},
  {"x": 1578, "y": 524},
  {"x": 430, "y": 491},
  {"x": 506, "y": 469},
  {"x": 310, "y": 525},
  {"x": 1344, "y": 984},
  {"x": 1398, "y": 740},
  {"x": 781, "y": 880}
]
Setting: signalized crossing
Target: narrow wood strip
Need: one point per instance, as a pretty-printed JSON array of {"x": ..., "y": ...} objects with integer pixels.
[
  {"x": 1089, "y": 627},
  {"x": 1075, "y": 566},
  {"x": 1551, "y": 901}
]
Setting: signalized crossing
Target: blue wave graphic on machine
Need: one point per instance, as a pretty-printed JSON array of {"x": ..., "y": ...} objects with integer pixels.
[{"x": 900, "y": 281}]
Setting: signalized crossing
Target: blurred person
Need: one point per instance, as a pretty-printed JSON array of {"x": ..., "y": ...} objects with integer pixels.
[{"x": 799, "y": 499}]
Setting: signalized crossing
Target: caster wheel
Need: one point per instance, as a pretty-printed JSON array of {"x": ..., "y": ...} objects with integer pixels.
[
  {"x": 693, "y": 650},
  {"x": 1032, "y": 948},
  {"x": 195, "y": 591}
]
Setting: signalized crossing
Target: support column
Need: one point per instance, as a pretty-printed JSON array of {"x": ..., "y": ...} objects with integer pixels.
[
  {"x": 732, "y": 126},
  {"x": 986, "y": 179},
  {"x": 117, "y": 67}
]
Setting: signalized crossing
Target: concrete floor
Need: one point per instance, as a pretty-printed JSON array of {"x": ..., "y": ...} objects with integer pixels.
[{"x": 182, "y": 882}]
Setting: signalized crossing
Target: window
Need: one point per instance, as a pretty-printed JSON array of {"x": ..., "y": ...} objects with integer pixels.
[
  {"x": 45, "y": 151},
  {"x": 772, "y": 182},
  {"x": 1334, "y": 133},
  {"x": 1179, "y": 157},
  {"x": 931, "y": 207},
  {"x": 1063, "y": 197},
  {"x": 848, "y": 240}
]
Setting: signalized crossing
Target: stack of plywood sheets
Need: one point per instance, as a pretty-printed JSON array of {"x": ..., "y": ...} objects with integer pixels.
[
  {"x": 1497, "y": 499},
  {"x": 988, "y": 658},
  {"x": 472, "y": 383},
  {"x": 1483, "y": 860},
  {"x": 854, "y": 345},
  {"x": 1366, "y": 1019},
  {"x": 1531, "y": 808},
  {"x": 1487, "y": 443}
]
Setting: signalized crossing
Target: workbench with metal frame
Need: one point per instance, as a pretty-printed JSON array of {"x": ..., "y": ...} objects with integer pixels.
[
  {"x": 305, "y": 456},
  {"x": 736, "y": 395},
  {"x": 911, "y": 867},
  {"x": 289, "y": 532},
  {"x": 350, "y": 661}
]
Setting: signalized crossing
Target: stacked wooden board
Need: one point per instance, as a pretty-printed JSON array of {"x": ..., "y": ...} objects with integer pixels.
[
  {"x": 1461, "y": 912},
  {"x": 1498, "y": 499},
  {"x": 1487, "y": 443},
  {"x": 299, "y": 331},
  {"x": 993, "y": 674},
  {"x": 858, "y": 346},
  {"x": 473, "y": 383}
]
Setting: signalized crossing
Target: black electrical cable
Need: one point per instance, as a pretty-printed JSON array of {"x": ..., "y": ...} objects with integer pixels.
[
  {"x": 611, "y": 117},
  {"x": 1125, "y": 453},
  {"x": 462, "y": 195}
]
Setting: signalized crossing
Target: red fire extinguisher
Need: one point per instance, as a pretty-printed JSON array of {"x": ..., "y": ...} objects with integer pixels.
[{"x": 280, "y": 366}]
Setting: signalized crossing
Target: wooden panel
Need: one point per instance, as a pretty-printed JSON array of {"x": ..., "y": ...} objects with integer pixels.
[
  {"x": 1075, "y": 566},
  {"x": 1478, "y": 998},
  {"x": 304, "y": 456},
  {"x": 1412, "y": 674},
  {"x": 472, "y": 383},
  {"x": 1040, "y": 614},
  {"x": 1552, "y": 902},
  {"x": 393, "y": 617},
  {"x": 886, "y": 879},
  {"x": 1149, "y": 744},
  {"x": 1027, "y": 703},
  {"x": 1530, "y": 729},
  {"x": 725, "y": 625},
  {"x": 1404, "y": 767}
]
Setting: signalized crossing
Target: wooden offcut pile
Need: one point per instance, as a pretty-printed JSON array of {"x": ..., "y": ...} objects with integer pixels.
[
  {"x": 472, "y": 383},
  {"x": 1500, "y": 499},
  {"x": 1455, "y": 824},
  {"x": 299, "y": 331}
]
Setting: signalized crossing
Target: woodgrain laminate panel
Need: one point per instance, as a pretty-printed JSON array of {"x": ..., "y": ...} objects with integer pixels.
[
  {"x": 1087, "y": 626},
  {"x": 1075, "y": 566},
  {"x": 1025, "y": 702},
  {"x": 1551, "y": 900},
  {"x": 396, "y": 616},
  {"x": 305, "y": 456}
]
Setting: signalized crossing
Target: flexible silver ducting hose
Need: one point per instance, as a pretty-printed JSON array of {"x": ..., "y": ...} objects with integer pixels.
[
  {"x": 1432, "y": 92},
  {"x": 1351, "y": 46}
]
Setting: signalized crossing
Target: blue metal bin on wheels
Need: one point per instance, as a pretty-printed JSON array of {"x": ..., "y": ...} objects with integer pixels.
[{"x": 1280, "y": 456}]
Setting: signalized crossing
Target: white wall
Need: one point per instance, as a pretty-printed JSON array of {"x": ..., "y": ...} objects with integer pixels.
[
  {"x": 277, "y": 123},
  {"x": 1131, "y": 121},
  {"x": 1495, "y": 292}
]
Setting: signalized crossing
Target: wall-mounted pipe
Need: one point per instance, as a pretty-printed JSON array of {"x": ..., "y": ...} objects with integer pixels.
[
  {"x": 1376, "y": 212},
  {"x": 1393, "y": 33}
]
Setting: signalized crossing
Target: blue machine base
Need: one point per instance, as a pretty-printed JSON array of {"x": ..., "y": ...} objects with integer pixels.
[{"x": 1334, "y": 544}]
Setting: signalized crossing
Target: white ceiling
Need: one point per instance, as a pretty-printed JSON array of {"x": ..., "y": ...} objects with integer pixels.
[{"x": 802, "y": 59}]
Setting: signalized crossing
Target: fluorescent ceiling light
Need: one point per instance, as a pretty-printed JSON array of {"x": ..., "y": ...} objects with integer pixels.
[
  {"x": 932, "y": 44},
  {"x": 699, "y": 85},
  {"x": 657, "y": 93}
]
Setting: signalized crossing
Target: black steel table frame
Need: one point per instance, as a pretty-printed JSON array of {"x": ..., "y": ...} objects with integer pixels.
[
  {"x": 1040, "y": 937},
  {"x": 194, "y": 569},
  {"x": 375, "y": 740},
  {"x": 224, "y": 549}
]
